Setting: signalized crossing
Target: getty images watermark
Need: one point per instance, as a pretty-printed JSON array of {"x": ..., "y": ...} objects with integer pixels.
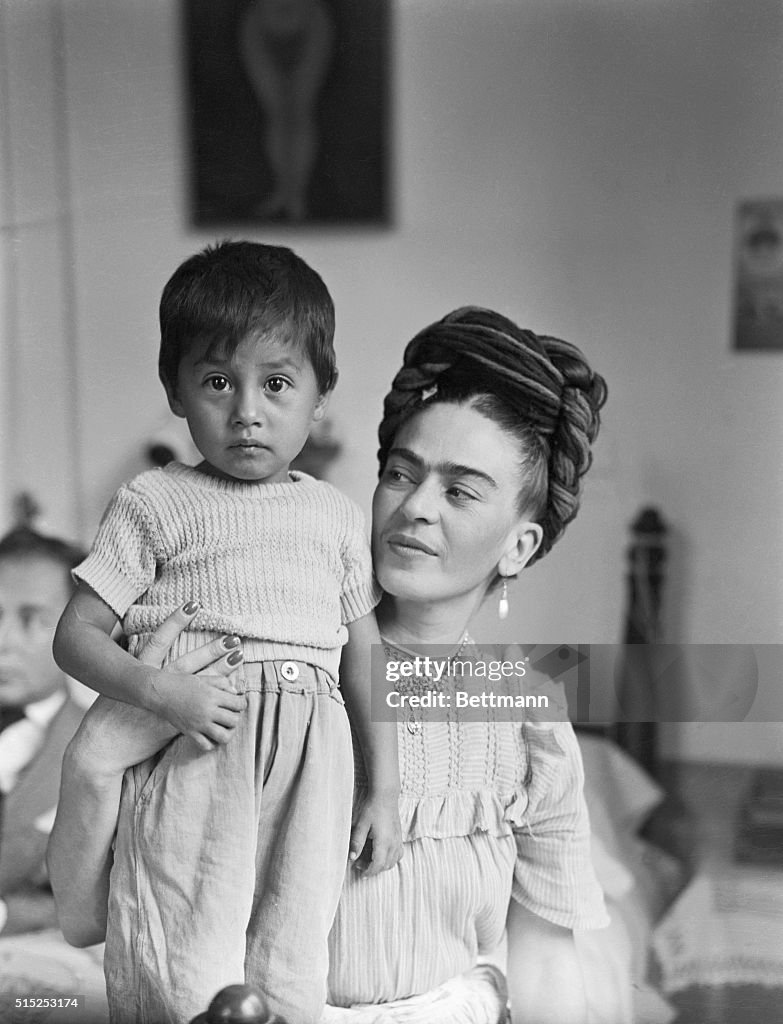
[{"x": 588, "y": 683}]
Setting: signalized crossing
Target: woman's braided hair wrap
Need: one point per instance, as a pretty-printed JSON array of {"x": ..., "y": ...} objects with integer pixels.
[{"x": 545, "y": 384}]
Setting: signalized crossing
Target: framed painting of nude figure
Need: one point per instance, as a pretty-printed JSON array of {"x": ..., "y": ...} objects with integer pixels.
[{"x": 288, "y": 104}]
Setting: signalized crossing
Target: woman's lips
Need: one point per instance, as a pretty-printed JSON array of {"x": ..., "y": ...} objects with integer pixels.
[{"x": 409, "y": 547}]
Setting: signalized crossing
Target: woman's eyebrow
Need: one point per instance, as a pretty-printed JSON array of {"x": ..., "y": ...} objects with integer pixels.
[{"x": 443, "y": 468}]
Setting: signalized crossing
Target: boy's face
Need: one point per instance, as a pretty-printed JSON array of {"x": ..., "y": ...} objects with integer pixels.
[{"x": 249, "y": 413}]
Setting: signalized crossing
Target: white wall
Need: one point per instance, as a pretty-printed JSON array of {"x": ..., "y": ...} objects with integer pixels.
[
  {"x": 37, "y": 333},
  {"x": 575, "y": 164}
]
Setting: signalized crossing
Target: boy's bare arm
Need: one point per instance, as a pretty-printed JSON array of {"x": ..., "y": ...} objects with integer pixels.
[
  {"x": 379, "y": 817},
  {"x": 84, "y": 649}
]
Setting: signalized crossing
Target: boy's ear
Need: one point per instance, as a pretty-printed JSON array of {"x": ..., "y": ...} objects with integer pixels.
[
  {"x": 320, "y": 406},
  {"x": 174, "y": 403}
]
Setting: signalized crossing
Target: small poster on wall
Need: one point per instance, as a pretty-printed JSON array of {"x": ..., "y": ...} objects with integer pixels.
[
  {"x": 758, "y": 316},
  {"x": 288, "y": 111}
]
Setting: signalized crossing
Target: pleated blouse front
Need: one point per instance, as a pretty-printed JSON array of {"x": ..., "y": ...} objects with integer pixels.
[{"x": 479, "y": 829}]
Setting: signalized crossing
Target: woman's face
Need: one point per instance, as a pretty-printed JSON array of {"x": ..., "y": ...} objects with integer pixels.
[{"x": 445, "y": 511}]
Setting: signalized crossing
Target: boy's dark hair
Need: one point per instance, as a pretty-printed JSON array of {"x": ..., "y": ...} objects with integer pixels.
[
  {"x": 232, "y": 290},
  {"x": 24, "y": 543}
]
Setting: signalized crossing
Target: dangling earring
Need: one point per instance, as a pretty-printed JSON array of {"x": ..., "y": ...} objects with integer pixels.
[{"x": 503, "y": 602}]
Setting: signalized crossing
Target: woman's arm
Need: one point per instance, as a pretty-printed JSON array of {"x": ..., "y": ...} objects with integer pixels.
[
  {"x": 379, "y": 817},
  {"x": 544, "y": 976},
  {"x": 112, "y": 737}
]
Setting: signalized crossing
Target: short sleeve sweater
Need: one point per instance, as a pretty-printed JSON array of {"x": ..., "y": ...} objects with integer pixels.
[{"x": 286, "y": 566}]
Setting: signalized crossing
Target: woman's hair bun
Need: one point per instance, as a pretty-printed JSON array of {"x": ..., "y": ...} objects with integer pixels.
[{"x": 583, "y": 393}]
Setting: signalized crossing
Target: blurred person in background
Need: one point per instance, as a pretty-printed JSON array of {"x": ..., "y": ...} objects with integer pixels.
[{"x": 38, "y": 717}]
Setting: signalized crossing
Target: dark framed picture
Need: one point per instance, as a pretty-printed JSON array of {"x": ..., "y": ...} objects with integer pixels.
[
  {"x": 758, "y": 314},
  {"x": 289, "y": 118}
]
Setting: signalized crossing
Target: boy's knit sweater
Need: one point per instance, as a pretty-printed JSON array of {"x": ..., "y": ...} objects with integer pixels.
[{"x": 285, "y": 566}]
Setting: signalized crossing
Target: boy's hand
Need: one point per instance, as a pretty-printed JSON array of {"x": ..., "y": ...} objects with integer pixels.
[
  {"x": 376, "y": 837},
  {"x": 206, "y": 708},
  {"x": 203, "y": 705}
]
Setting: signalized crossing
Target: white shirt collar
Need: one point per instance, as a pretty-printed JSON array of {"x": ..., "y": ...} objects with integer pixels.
[
  {"x": 43, "y": 711},
  {"x": 20, "y": 742}
]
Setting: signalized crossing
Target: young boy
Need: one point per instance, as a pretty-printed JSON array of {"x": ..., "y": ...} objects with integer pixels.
[{"x": 232, "y": 845}]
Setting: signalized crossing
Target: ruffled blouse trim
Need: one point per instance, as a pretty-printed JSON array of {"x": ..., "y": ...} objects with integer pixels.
[{"x": 461, "y": 813}]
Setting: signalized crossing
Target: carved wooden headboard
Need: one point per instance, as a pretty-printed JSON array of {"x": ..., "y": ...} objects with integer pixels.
[{"x": 636, "y": 728}]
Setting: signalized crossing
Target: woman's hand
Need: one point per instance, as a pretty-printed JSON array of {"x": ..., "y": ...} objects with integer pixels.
[{"x": 114, "y": 736}]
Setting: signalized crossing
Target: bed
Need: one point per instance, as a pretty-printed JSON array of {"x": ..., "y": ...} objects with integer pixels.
[{"x": 639, "y": 881}]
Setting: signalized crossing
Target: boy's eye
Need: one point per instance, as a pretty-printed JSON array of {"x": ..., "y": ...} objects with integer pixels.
[
  {"x": 217, "y": 382},
  {"x": 35, "y": 620},
  {"x": 32, "y": 618},
  {"x": 277, "y": 385}
]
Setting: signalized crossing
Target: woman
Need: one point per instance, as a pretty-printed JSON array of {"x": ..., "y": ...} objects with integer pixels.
[{"x": 485, "y": 436}]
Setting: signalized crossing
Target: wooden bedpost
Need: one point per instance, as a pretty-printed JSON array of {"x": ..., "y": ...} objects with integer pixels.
[{"x": 637, "y": 727}]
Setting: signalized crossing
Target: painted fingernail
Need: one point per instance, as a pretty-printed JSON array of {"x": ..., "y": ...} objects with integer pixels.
[
  {"x": 231, "y": 641},
  {"x": 235, "y": 657},
  {"x": 190, "y": 608}
]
